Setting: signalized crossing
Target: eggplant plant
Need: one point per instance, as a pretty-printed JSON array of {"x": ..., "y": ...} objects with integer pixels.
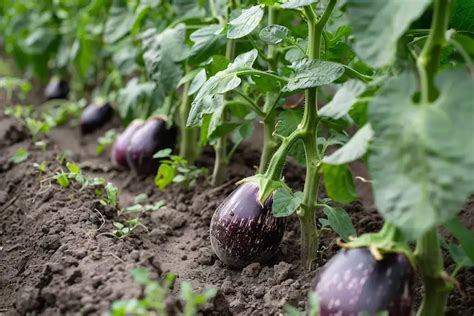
[{"x": 305, "y": 72}]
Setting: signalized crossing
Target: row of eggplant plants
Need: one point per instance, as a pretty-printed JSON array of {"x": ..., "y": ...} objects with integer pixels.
[{"x": 398, "y": 73}]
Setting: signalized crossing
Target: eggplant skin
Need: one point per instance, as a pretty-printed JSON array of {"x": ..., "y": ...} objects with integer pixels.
[
  {"x": 353, "y": 282},
  {"x": 56, "y": 89},
  {"x": 95, "y": 116},
  {"x": 153, "y": 136},
  {"x": 242, "y": 231},
  {"x": 119, "y": 149}
]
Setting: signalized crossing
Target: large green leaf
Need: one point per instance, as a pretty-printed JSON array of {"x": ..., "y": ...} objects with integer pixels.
[
  {"x": 423, "y": 154},
  {"x": 310, "y": 73},
  {"x": 377, "y": 25},
  {"x": 245, "y": 23},
  {"x": 343, "y": 100},
  {"x": 163, "y": 53},
  {"x": 207, "y": 42},
  {"x": 354, "y": 149},
  {"x": 119, "y": 22},
  {"x": 222, "y": 82}
]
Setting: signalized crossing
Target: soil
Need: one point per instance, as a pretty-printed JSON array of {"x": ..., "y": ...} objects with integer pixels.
[{"x": 57, "y": 258}]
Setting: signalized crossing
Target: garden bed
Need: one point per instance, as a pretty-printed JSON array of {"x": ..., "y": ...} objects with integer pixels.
[{"x": 57, "y": 258}]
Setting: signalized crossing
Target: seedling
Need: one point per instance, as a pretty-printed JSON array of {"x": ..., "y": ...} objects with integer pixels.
[
  {"x": 156, "y": 294},
  {"x": 176, "y": 170},
  {"x": 21, "y": 155},
  {"x": 122, "y": 230}
]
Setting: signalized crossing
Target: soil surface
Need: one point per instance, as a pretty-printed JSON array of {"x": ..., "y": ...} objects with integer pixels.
[{"x": 57, "y": 256}]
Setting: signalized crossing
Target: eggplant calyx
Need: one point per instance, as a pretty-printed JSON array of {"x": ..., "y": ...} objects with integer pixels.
[
  {"x": 387, "y": 240},
  {"x": 266, "y": 186}
]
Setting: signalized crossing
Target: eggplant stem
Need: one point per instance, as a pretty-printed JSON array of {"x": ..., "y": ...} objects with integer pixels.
[{"x": 428, "y": 252}]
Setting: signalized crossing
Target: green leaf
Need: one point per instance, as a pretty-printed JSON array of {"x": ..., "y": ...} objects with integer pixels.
[
  {"x": 163, "y": 53},
  {"x": 295, "y": 4},
  {"x": 377, "y": 26},
  {"x": 197, "y": 82},
  {"x": 207, "y": 41},
  {"x": 62, "y": 180},
  {"x": 131, "y": 96},
  {"x": 313, "y": 301},
  {"x": 354, "y": 149},
  {"x": 273, "y": 34},
  {"x": 164, "y": 153},
  {"x": 285, "y": 203},
  {"x": 463, "y": 235},
  {"x": 287, "y": 122},
  {"x": 340, "y": 222},
  {"x": 224, "y": 81},
  {"x": 73, "y": 168},
  {"x": 164, "y": 176},
  {"x": 21, "y": 155},
  {"x": 343, "y": 100},
  {"x": 245, "y": 23},
  {"x": 112, "y": 194},
  {"x": 422, "y": 160},
  {"x": 291, "y": 310},
  {"x": 339, "y": 183},
  {"x": 119, "y": 22},
  {"x": 310, "y": 73}
]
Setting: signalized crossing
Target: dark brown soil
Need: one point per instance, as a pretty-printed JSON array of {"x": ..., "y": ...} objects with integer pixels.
[{"x": 56, "y": 260}]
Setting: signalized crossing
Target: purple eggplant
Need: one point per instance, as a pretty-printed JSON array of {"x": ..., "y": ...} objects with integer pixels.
[
  {"x": 119, "y": 149},
  {"x": 56, "y": 89},
  {"x": 94, "y": 116},
  {"x": 152, "y": 137},
  {"x": 353, "y": 282},
  {"x": 243, "y": 231}
]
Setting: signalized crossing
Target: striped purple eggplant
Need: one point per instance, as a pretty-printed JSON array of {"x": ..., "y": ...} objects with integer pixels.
[
  {"x": 152, "y": 137},
  {"x": 353, "y": 283},
  {"x": 56, "y": 89},
  {"x": 94, "y": 116},
  {"x": 119, "y": 149},
  {"x": 243, "y": 231}
]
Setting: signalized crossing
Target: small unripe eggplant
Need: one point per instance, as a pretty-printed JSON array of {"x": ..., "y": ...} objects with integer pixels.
[
  {"x": 94, "y": 116},
  {"x": 152, "y": 137},
  {"x": 119, "y": 149},
  {"x": 354, "y": 282},
  {"x": 56, "y": 89},
  {"x": 243, "y": 231}
]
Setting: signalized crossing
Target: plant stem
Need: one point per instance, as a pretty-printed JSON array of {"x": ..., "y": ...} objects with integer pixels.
[
  {"x": 428, "y": 60},
  {"x": 428, "y": 253},
  {"x": 270, "y": 142},
  {"x": 188, "y": 134},
  {"x": 307, "y": 211},
  {"x": 430, "y": 262},
  {"x": 220, "y": 147}
]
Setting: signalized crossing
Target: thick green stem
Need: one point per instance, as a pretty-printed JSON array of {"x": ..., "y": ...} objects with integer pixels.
[
  {"x": 430, "y": 262},
  {"x": 428, "y": 253},
  {"x": 187, "y": 146},
  {"x": 428, "y": 60},
  {"x": 307, "y": 211}
]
